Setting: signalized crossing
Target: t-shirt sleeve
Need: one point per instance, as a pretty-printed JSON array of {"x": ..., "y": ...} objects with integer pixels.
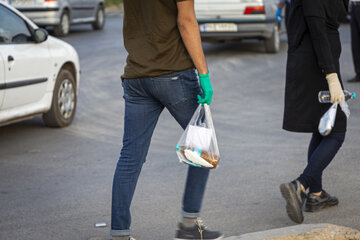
[{"x": 315, "y": 18}]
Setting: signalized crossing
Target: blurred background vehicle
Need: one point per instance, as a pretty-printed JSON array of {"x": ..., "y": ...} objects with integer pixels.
[
  {"x": 39, "y": 74},
  {"x": 238, "y": 19},
  {"x": 62, "y": 13}
]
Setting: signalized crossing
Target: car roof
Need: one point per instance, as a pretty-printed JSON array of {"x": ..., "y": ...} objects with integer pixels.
[{"x": 17, "y": 12}]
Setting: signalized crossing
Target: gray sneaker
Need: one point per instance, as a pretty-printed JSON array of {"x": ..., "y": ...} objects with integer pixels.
[
  {"x": 295, "y": 199},
  {"x": 198, "y": 232}
]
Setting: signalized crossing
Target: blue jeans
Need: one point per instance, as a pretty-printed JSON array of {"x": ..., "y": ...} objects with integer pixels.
[
  {"x": 321, "y": 152},
  {"x": 145, "y": 98}
]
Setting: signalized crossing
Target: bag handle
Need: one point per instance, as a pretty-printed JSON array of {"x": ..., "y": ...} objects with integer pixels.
[{"x": 210, "y": 123}]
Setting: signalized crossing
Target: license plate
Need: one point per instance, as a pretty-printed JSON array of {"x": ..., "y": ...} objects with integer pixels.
[
  {"x": 21, "y": 2},
  {"x": 218, "y": 27}
]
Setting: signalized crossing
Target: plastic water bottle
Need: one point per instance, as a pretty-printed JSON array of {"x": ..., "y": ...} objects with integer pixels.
[{"x": 324, "y": 96}]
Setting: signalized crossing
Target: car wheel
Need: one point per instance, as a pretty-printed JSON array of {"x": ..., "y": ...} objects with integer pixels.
[
  {"x": 64, "y": 100},
  {"x": 64, "y": 26},
  {"x": 272, "y": 44},
  {"x": 99, "y": 19}
]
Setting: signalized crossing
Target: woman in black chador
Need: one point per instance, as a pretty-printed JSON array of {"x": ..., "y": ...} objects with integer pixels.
[{"x": 313, "y": 66}]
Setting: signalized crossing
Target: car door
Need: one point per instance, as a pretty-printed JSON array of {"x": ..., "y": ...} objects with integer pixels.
[
  {"x": 77, "y": 11},
  {"x": 2, "y": 79},
  {"x": 89, "y": 7},
  {"x": 27, "y": 64}
]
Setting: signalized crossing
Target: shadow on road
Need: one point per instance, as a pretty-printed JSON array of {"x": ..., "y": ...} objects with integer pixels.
[{"x": 30, "y": 126}]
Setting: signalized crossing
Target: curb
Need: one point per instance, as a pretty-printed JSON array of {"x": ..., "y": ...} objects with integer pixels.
[{"x": 304, "y": 231}]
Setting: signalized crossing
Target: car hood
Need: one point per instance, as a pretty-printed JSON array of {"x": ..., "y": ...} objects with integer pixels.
[
  {"x": 62, "y": 53},
  {"x": 56, "y": 44}
]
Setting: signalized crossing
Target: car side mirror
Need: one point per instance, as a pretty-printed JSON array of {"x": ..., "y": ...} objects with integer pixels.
[{"x": 40, "y": 35}]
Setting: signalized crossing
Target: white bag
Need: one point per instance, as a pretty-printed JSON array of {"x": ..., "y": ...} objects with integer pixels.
[
  {"x": 198, "y": 145},
  {"x": 327, "y": 121}
]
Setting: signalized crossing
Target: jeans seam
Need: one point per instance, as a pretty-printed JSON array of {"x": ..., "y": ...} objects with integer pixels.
[
  {"x": 183, "y": 99},
  {"x": 141, "y": 86}
]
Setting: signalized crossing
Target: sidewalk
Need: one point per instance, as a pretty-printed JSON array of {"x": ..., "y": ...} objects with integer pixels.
[
  {"x": 303, "y": 232},
  {"x": 114, "y": 11}
]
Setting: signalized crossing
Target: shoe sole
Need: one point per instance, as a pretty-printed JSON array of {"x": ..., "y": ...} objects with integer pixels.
[
  {"x": 317, "y": 208},
  {"x": 293, "y": 209},
  {"x": 219, "y": 238}
]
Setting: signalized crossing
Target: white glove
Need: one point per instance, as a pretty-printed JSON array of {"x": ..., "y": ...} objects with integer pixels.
[{"x": 336, "y": 92}]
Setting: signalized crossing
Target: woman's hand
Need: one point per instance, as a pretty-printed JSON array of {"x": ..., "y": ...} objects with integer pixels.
[{"x": 336, "y": 92}]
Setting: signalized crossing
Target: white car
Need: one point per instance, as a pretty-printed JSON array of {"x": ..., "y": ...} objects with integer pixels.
[
  {"x": 62, "y": 13},
  {"x": 39, "y": 74},
  {"x": 238, "y": 19}
]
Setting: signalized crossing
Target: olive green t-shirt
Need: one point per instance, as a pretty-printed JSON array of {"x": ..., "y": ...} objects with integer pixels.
[{"x": 152, "y": 39}]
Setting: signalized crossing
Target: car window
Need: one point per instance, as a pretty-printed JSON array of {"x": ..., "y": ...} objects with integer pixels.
[{"x": 12, "y": 28}]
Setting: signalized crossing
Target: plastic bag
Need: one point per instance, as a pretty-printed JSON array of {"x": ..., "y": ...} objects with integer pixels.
[
  {"x": 345, "y": 108},
  {"x": 198, "y": 145},
  {"x": 327, "y": 121}
]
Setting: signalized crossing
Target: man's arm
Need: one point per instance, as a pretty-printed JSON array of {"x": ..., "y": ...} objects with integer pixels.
[{"x": 190, "y": 34}]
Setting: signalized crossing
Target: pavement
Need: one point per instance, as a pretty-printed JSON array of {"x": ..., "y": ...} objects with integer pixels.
[
  {"x": 55, "y": 184},
  {"x": 303, "y": 232}
]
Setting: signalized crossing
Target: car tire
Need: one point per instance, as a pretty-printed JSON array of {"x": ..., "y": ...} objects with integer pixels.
[
  {"x": 64, "y": 101},
  {"x": 99, "y": 18},
  {"x": 272, "y": 44},
  {"x": 63, "y": 28}
]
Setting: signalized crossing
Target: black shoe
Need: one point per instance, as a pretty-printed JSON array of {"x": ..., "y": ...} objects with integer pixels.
[
  {"x": 198, "y": 232},
  {"x": 295, "y": 199},
  {"x": 316, "y": 203},
  {"x": 355, "y": 79}
]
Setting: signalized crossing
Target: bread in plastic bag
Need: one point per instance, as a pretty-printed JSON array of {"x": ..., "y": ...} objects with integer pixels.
[{"x": 198, "y": 145}]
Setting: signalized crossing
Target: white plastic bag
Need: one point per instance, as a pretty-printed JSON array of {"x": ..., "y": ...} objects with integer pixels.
[
  {"x": 198, "y": 145},
  {"x": 327, "y": 121},
  {"x": 345, "y": 108}
]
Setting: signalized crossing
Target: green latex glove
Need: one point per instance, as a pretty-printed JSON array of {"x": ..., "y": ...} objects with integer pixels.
[{"x": 206, "y": 88}]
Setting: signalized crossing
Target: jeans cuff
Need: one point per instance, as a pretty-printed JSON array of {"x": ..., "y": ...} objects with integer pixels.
[
  {"x": 119, "y": 233},
  {"x": 190, "y": 215}
]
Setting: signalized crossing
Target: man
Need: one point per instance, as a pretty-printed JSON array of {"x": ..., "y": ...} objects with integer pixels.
[
  {"x": 355, "y": 37},
  {"x": 163, "y": 43},
  {"x": 281, "y": 5}
]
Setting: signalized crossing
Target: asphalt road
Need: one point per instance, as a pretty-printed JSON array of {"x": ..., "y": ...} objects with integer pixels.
[{"x": 55, "y": 184}]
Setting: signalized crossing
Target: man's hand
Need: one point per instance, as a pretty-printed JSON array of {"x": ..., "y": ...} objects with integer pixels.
[
  {"x": 336, "y": 92},
  {"x": 206, "y": 88}
]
